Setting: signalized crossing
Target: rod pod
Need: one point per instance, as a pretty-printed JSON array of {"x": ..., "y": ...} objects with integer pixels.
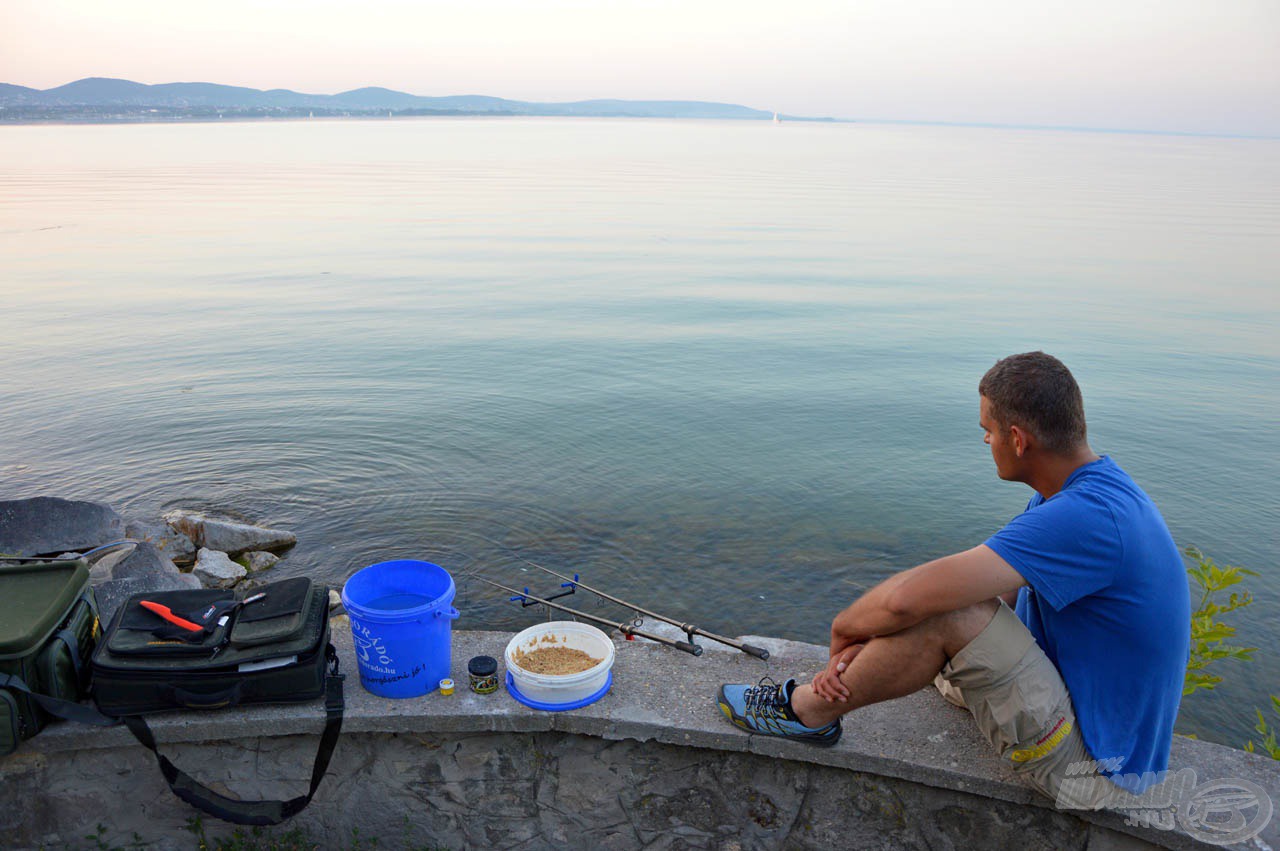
[
  {"x": 689, "y": 629},
  {"x": 624, "y": 628}
]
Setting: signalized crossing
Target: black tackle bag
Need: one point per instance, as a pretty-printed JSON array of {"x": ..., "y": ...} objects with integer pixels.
[{"x": 206, "y": 649}]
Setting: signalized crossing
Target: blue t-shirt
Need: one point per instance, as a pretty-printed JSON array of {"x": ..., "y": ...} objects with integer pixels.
[{"x": 1107, "y": 601}]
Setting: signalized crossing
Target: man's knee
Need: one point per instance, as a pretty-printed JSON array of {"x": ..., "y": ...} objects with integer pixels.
[{"x": 961, "y": 626}]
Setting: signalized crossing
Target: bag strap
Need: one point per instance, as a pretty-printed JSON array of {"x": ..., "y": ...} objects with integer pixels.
[
  {"x": 64, "y": 709},
  {"x": 254, "y": 812}
]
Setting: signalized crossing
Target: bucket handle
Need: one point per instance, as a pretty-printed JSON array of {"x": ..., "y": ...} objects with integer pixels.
[{"x": 450, "y": 613}]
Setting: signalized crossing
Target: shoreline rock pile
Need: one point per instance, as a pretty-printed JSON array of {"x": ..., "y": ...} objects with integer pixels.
[{"x": 213, "y": 552}]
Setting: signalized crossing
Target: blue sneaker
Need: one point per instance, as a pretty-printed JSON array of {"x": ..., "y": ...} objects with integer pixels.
[{"x": 765, "y": 708}]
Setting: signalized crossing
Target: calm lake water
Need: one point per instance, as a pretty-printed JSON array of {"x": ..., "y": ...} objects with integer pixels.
[{"x": 726, "y": 369}]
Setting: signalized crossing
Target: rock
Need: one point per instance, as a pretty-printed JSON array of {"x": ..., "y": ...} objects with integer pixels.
[
  {"x": 134, "y": 570},
  {"x": 335, "y": 601},
  {"x": 141, "y": 562},
  {"x": 166, "y": 539},
  {"x": 250, "y": 584},
  {"x": 215, "y": 569},
  {"x": 231, "y": 538},
  {"x": 45, "y": 524},
  {"x": 112, "y": 593},
  {"x": 137, "y": 560},
  {"x": 259, "y": 560}
]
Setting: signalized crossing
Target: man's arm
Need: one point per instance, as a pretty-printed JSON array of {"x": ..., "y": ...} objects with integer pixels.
[{"x": 938, "y": 586}]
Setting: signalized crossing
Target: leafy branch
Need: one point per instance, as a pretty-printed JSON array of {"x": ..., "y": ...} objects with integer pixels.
[
  {"x": 1209, "y": 634},
  {"x": 1268, "y": 734}
]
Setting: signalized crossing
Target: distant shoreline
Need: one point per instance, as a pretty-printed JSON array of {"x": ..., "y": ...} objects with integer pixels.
[
  {"x": 102, "y": 100},
  {"x": 203, "y": 118},
  {"x": 73, "y": 118}
]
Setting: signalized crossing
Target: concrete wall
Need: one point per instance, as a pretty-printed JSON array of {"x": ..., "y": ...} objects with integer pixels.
[{"x": 651, "y": 765}]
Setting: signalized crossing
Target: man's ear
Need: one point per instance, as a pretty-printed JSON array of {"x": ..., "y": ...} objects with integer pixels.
[{"x": 1020, "y": 438}]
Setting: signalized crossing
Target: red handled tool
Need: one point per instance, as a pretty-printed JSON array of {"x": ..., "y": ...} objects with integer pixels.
[{"x": 167, "y": 613}]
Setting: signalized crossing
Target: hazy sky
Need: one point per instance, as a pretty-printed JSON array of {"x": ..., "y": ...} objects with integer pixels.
[{"x": 1195, "y": 65}]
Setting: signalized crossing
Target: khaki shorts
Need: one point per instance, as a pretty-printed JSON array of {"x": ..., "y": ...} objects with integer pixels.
[{"x": 1022, "y": 706}]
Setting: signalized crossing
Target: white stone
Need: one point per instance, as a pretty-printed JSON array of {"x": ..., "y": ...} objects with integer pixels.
[
  {"x": 231, "y": 538},
  {"x": 335, "y": 599},
  {"x": 215, "y": 569}
]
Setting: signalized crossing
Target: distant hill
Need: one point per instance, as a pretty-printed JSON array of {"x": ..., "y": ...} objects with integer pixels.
[
  {"x": 105, "y": 94},
  {"x": 103, "y": 91},
  {"x": 16, "y": 93}
]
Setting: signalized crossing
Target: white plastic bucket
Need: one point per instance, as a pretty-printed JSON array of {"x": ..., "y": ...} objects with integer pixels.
[{"x": 561, "y": 691}]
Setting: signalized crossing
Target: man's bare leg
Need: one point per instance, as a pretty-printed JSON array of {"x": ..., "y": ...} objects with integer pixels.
[{"x": 896, "y": 665}]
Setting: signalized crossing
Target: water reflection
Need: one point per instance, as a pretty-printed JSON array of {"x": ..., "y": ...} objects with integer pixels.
[{"x": 726, "y": 367}]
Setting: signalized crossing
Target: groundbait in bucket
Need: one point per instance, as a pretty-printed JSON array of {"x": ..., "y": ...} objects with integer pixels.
[{"x": 401, "y": 615}]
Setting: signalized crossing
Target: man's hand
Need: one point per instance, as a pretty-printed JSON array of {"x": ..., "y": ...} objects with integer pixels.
[
  {"x": 827, "y": 684},
  {"x": 905, "y": 599}
]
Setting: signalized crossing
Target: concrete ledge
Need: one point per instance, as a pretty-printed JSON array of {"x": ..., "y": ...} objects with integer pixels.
[{"x": 923, "y": 758}]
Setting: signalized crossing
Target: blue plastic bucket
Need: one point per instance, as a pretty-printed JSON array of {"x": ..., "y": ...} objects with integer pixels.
[{"x": 401, "y": 615}]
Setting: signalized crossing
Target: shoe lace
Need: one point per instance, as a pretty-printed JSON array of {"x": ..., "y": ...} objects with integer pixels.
[{"x": 764, "y": 695}]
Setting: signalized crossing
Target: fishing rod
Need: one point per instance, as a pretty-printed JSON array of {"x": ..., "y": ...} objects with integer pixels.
[
  {"x": 689, "y": 629},
  {"x": 625, "y": 628}
]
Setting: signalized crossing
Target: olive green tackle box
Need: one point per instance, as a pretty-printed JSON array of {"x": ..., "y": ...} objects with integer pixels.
[{"x": 48, "y": 630}]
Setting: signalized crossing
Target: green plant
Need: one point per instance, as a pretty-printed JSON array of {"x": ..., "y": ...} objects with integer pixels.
[
  {"x": 254, "y": 840},
  {"x": 1209, "y": 635},
  {"x": 100, "y": 843},
  {"x": 1268, "y": 734}
]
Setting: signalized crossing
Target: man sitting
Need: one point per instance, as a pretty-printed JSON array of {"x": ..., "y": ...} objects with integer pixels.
[{"x": 1086, "y": 670}]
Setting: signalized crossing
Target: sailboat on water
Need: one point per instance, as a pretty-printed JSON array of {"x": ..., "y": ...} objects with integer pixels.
[{"x": 776, "y": 120}]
